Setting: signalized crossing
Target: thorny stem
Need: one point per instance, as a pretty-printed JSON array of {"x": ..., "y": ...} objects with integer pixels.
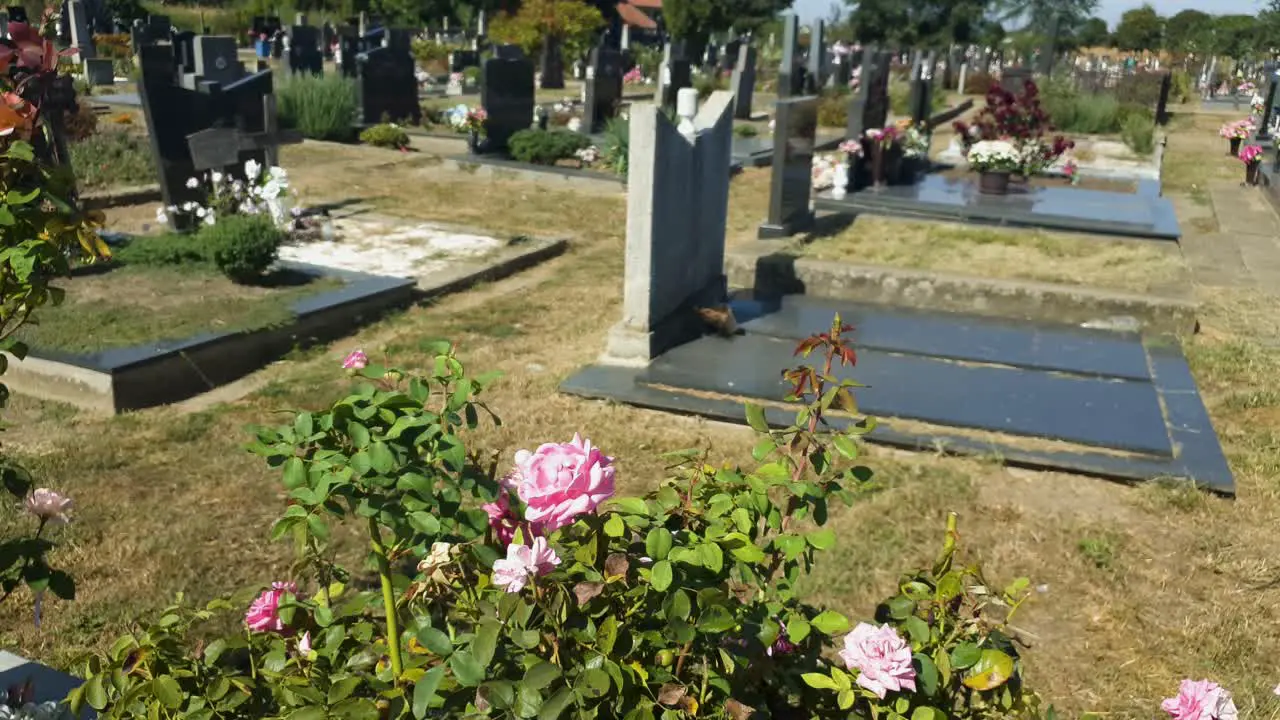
[{"x": 388, "y": 599}]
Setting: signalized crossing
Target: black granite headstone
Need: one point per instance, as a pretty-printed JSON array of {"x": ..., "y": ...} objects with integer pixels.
[
  {"x": 388, "y": 89},
  {"x": 743, "y": 81},
  {"x": 328, "y": 33},
  {"x": 920, "y": 97},
  {"x": 603, "y": 88},
  {"x": 794, "y": 137},
  {"x": 348, "y": 49},
  {"x": 815, "y": 63},
  {"x": 304, "y": 50},
  {"x": 551, "y": 64},
  {"x": 184, "y": 50},
  {"x": 1015, "y": 79},
  {"x": 507, "y": 95},
  {"x": 790, "y": 71},
  {"x": 869, "y": 104},
  {"x": 17, "y": 13},
  {"x": 460, "y": 60},
  {"x": 729, "y": 56},
  {"x": 155, "y": 29},
  {"x": 1268, "y": 109},
  {"x": 1162, "y": 104}
]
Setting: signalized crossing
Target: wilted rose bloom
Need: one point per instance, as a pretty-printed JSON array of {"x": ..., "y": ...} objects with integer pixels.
[
  {"x": 264, "y": 613},
  {"x": 1200, "y": 700},
  {"x": 782, "y": 644},
  {"x": 523, "y": 563},
  {"x": 560, "y": 481},
  {"x": 881, "y": 657},
  {"x": 437, "y": 558},
  {"x": 356, "y": 360},
  {"x": 49, "y": 506}
]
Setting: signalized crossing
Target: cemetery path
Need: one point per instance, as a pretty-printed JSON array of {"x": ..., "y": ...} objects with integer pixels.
[{"x": 1233, "y": 240}]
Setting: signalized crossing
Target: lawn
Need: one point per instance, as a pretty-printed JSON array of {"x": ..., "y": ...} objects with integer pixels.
[
  {"x": 135, "y": 304},
  {"x": 1137, "y": 587}
]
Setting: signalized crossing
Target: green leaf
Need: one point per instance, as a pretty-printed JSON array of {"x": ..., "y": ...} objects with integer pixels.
[
  {"x": 924, "y": 712},
  {"x": 819, "y": 681},
  {"x": 425, "y": 690},
  {"x": 845, "y": 699},
  {"x": 630, "y": 505},
  {"x": 917, "y": 630},
  {"x": 657, "y": 544},
  {"x": 927, "y": 675},
  {"x": 965, "y": 655},
  {"x": 466, "y": 669},
  {"x": 556, "y": 704},
  {"x": 425, "y": 523},
  {"x": 716, "y": 619},
  {"x": 797, "y": 629},
  {"x": 359, "y": 435},
  {"x": 355, "y": 709},
  {"x": 593, "y": 683},
  {"x": 790, "y": 545},
  {"x": 167, "y": 691},
  {"x": 993, "y": 669},
  {"x": 528, "y": 702},
  {"x": 678, "y": 605},
  {"x": 435, "y": 641},
  {"x": 607, "y": 635},
  {"x": 755, "y": 418},
  {"x": 845, "y": 446},
  {"x": 310, "y": 712},
  {"x": 295, "y": 473},
  {"x": 823, "y": 539},
  {"x": 661, "y": 576},
  {"x": 540, "y": 675},
  {"x": 761, "y": 450},
  {"x": 17, "y": 197},
  {"x": 95, "y": 694},
  {"x": 341, "y": 689},
  {"x": 614, "y": 526},
  {"x": 712, "y": 557},
  {"x": 486, "y": 641},
  {"x": 830, "y": 623}
]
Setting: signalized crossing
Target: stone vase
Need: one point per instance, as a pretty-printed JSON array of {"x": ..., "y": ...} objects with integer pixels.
[
  {"x": 473, "y": 142},
  {"x": 1252, "y": 171},
  {"x": 1235, "y": 147},
  {"x": 877, "y": 165},
  {"x": 993, "y": 183},
  {"x": 840, "y": 183}
]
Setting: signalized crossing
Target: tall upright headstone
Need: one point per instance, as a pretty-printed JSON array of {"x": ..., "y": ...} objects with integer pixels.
[
  {"x": 677, "y": 209},
  {"x": 795, "y": 134},
  {"x": 1166, "y": 86},
  {"x": 1268, "y": 109},
  {"x": 674, "y": 74},
  {"x": 920, "y": 95},
  {"x": 743, "y": 81},
  {"x": 551, "y": 64},
  {"x": 507, "y": 95},
  {"x": 816, "y": 70},
  {"x": 305, "y": 55},
  {"x": 790, "y": 73},
  {"x": 387, "y": 86},
  {"x": 602, "y": 89},
  {"x": 869, "y": 105}
]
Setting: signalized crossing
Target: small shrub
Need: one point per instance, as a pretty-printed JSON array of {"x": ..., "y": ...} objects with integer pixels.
[
  {"x": 833, "y": 111},
  {"x": 323, "y": 108},
  {"x": 168, "y": 249},
  {"x": 470, "y": 75},
  {"x": 617, "y": 144},
  {"x": 1139, "y": 133},
  {"x": 1181, "y": 88},
  {"x": 900, "y": 100},
  {"x": 978, "y": 83},
  {"x": 111, "y": 158},
  {"x": 81, "y": 122},
  {"x": 745, "y": 131},
  {"x": 116, "y": 46},
  {"x": 243, "y": 246},
  {"x": 385, "y": 135},
  {"x": 545, "y": 147},
  {"x": 708, "y": 83},
  {"x": 431, "y": 55}
]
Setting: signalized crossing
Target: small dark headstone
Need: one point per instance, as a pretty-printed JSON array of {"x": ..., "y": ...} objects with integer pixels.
[
  {"x": 507, "y": 95},
  {"x": 794, "y": 137},
  {"x": 920, "y": 98},
  {"x": 1015, "y": 79},
  {"x": 184, "y": 51},
  {"x": 1268, "y": 110},
  {"x": 328, "y": 33},
  {"x": 816, "y": 70},
  {"x": 729, "y": 56},
  {"x": 869, "y": 105},
  {"x": 1166, "y": 85},
  {"x": 215, "y": 59},
  {"x": 460, "y": 60},
  {"x": 388, "y": 88},
  {"x": 603, "y": 88},
  {"x": 304, "y": 50},
  {"x": 743, "y": 81},
  {"x": 349, "y": 47},
  {"x": 508, "y": 52},
  {"x": 551, "y": 66},
  {"x": 790, "y": 72},
  {"x": 17, "y": 13}
]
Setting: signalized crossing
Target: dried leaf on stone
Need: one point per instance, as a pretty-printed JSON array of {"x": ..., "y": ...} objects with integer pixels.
[
  {"x": 616, "y": 565},
  {"x": 585, "y": 591},
  {"x": 672, "y": 694}
]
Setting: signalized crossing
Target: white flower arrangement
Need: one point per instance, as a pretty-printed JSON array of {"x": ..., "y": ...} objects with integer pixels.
[
  {"x": 824, "y": 169},
  {"x": 994, "y": 156},
  {"x": 588, "y": 155},
  {"x": 914, "y": 142},
  {"x": 574, "y": 125},
  {"x": 260, "y": 193}
]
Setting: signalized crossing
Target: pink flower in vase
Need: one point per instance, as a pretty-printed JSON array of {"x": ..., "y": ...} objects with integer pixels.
[{"x": 1250, "y": 154}]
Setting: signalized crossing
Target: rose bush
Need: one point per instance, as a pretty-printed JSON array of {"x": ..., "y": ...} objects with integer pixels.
[{"x": 1021, "y": 120}]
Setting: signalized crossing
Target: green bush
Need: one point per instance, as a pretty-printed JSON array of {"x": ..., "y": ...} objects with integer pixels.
[
  {"x": 833, "y": 111},
  {"x": 617, "y": 144},
  {"x": 900, "y": 100},
  {"x": 168, "y": 249},
  {"x": 323, "y": 108},
  {"x": 545, "y": 147},
  {"x": 706, "y": 84},
  {"x": 470, "y": 75},
  {"x": 1141, "y": 88},
  {"x": 1181, "y": 88},
  {"x": 112, "y": 158},
  {"x": 1139, "y": 133},
  {"x": 745, "y": 131},
  {"x": 242, "y": 246},
  {"x": 385, "y": 135}
]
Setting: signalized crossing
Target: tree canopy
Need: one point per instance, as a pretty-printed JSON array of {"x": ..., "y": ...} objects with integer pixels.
[
  {"x": 1140, "y": 29},
  {"x": 693, "y": 21},
  {"x": 918, "y": 23}
]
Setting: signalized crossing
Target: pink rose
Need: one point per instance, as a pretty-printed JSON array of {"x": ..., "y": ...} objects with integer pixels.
[
  {"x": 49, "y": 506},
  {"x": 560, "y": 481},
  {"x": 523, "y": 563},
  {"x": 264, "y": 613},
  {"x": 357, "y": 360},
  {"x": 1200, "y": 700},
  {"x": 503, "y": 521},
  {"x": 881, "y": 657}
]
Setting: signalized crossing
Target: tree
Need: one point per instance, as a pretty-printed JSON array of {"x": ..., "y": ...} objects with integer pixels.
[
  {"x": 693, "y": 21},
  {"x": 1044, "y": 16},
  {"x": 573, "y": 22},
  {"x": 1093, "y": 33},
  {"x": 1236, "y": 36},
  {"x": 918, "y": 23},
  {"x": 1140, "y": 29},
  {"x": 1190, "y": 31}
]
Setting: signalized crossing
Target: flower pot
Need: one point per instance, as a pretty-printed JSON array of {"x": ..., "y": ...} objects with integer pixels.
[
  {"x": 1235, "y": 146},
  {"x": 1252, "y": 172},
  {"x": 473, "y": 142},
  {"x": 993, "y": 183},
  {"x": 262, "y": 48},
  {"x": 877, "y": 165}
]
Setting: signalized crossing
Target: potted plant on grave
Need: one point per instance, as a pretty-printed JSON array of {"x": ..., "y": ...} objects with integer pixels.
[
  {"x": 914, "y": 141},
  {"x": 995, "y": 161},
  {"x": 1251, "y": 156},
  {"x": 852, "y": 154},
  {"x": 469, "y": 121},
  {"x": 1020, "y": 120},
  {"x": 1235, "y": 133},
  {"x": 885, "y": 153}
]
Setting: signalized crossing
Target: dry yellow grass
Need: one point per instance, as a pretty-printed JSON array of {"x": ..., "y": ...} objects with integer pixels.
[{"x": 1139, "y": 586}]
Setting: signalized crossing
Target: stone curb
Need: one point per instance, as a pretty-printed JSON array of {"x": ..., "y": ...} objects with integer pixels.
[
  {"x": 504, "y": 263},
  {"x": 116, "y": 197},
  {"x": 771, "y": 272}
]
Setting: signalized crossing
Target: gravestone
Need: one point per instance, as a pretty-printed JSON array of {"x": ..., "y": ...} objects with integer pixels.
[
  {"x": 1268, "y": 108},
  {"x": 328, "y": 34},
  {"x": 743, "y": 81},
  {"x": 184, "y": 51},
  {"x": 78, "y": 22},
  {"x": 1162, "y": 103},
  {"x": 677, "y": 206},
  {"x": 790, "y": 73},
  {"x": 551, "y": 64},
  {"x": 17, "y": 13},
  {"x": 213, "y": 59},
  {"x": 603, "y": 88},
  {"x": 729, "y": 56},
  {"x": 460, "y": 60},
  {"x": 795, "y": 133},
  {"x": 155, "y": 29},
  {"x": 304, "y": 54},
  {"x": 1015, "y": 79},
  {"x": 348, "y": 49},
  {"x": 920, "y": 96},
  {"x": 507, "y": 95},
  {"x": 869, "y": 104},
  {"x": 675, "y": 74},
  {"x": 388, "y": 88},
  {"x": 174, "y": 113},
  {"x": 816, "y": 71}
]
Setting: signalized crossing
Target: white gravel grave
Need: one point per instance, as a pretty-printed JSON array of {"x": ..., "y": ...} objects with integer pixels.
[{"x": 392, "y": 247}]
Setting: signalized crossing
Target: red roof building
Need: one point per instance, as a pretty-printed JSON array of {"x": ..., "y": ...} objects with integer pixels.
[{"x": 639, "y": 14}]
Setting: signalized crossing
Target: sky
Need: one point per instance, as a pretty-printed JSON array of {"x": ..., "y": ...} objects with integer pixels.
[{"x": 1109, "y": 10}]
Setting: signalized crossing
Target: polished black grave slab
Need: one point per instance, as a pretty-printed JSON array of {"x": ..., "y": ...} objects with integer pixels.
[
  {"x": 1117, "y": 405},
  {"x": 1134, "y": 215}
]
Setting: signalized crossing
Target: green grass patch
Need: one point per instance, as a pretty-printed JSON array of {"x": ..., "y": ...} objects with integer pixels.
[
  {"x": 323, "y": 108},
  {"x": 112, "y": 158},
  {"x": 134, "y": 304}
]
